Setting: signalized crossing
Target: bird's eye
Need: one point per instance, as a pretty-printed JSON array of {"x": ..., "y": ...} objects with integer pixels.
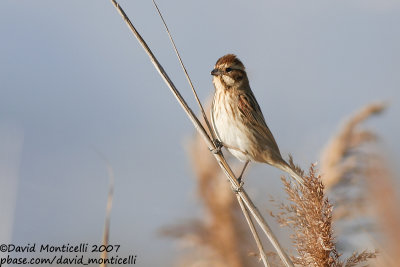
[{"x": 228, "y": 69}]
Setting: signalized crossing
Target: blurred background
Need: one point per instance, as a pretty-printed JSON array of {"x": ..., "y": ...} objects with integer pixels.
[{"x": 74, "y": 80}]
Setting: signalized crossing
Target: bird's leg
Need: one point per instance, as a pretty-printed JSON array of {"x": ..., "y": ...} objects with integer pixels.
[
  {"x": 239, "y": 179},
  {"x": 218, "y": 145},
  {"x": 241, "y": 174}
]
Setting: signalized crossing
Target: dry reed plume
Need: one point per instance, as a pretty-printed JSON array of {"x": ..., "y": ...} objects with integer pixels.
[
  {"x": 339, "y": 161},
  {"x": 384, "y": 200},
  {"x": 354, "y": 158},
  {"x": 345, "y": 163},
  {"x": 357, "y": 177},
  {"x": 309, "y": 214}
]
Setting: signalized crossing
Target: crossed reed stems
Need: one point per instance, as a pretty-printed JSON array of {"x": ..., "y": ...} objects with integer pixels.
[{"x": 247, "y": 206}]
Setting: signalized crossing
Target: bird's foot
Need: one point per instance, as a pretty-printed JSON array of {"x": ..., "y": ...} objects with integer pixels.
[
  {"x": 218, "y": 146},
  {"x": 238, "y": 189}
]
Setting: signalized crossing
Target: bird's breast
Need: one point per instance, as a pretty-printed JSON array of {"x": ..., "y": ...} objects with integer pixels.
[{"x": 229, "y": 126}]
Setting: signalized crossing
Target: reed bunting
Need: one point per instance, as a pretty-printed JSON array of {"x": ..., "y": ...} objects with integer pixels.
[{"x": 238, "y": 121}]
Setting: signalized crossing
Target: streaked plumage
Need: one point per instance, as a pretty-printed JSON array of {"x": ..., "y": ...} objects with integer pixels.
[{"x": 237, "y": 118}]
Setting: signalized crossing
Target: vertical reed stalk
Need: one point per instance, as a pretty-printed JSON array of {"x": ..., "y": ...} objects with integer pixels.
[{"x": 254, "y": 232}]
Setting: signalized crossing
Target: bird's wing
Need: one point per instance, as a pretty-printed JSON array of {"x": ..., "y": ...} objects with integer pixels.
[{"x": 249, "y": 108}]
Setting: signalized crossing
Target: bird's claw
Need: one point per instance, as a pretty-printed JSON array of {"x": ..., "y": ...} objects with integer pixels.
[
  {"x": 238, "y": 189},
  {"x": 218, "y": 146}
]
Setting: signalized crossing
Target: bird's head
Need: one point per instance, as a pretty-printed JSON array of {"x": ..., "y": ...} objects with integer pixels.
[{"x": 229, "y": 72}]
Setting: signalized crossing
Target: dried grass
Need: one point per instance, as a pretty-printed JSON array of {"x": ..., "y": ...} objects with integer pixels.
[
  {"x": 309, "y": 215},
  {"x": 355, "y": 160},
  {"x": 345, "y": 161},
  {"x": 340, "y": 160},
  {"x": 344, "y": 165},
  {"x": 383, "y": 198}
]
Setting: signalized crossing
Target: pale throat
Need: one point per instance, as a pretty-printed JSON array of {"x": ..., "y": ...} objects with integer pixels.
[
  {"x": 219, "y": 86},
  {"x": 228, "y": 80}
]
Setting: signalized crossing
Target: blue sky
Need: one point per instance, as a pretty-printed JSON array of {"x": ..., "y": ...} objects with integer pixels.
[{"x": 73, "y": 78}]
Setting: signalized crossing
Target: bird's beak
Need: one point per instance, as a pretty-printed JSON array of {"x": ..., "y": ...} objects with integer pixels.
[{"x": 216, "y": 72}]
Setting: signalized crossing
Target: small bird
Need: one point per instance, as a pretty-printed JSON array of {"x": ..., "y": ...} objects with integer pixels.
[{"x": 237, "y": 119}]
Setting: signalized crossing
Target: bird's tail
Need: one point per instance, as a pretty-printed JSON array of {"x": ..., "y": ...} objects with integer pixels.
[{"x": 293, "y": 173}]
